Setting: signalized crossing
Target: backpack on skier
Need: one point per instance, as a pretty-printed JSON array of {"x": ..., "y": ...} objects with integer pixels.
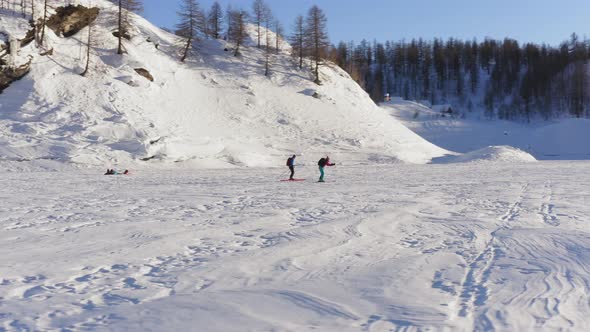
[{"x": 322, "y": 162}]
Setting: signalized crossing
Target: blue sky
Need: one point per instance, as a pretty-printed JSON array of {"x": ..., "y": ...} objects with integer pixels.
[{"x": 550, "y": 21}]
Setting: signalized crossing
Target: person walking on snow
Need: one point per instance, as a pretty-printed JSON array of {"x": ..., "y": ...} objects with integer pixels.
[
  {"x": 323, "y": 163},
  {"x": 291, "y": 165}
]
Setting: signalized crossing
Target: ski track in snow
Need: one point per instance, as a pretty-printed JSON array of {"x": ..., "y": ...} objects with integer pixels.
[{"x": 382, "y": 249}]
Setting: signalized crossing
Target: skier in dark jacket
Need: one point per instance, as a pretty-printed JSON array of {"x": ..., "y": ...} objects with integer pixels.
[
  {"x": 291, "y": 165},
  {"x": 323, "y": 163}
]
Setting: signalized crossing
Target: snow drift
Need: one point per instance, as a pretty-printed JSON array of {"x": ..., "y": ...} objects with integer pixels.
[
  {"x": 216, "y": 110},
  {"x": 489, "y": 154}
]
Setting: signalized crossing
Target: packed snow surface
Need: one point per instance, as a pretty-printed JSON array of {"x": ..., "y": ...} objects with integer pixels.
[{"x": 417, "y": 247}]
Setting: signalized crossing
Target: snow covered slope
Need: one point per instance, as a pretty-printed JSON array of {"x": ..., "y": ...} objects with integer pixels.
[
  {"x": 563, "y": 139},
  {"x": 216, "y": 110}
]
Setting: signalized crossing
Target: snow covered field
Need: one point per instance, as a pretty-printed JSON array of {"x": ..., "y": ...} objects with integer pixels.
[{"x": 464, "y": 246}]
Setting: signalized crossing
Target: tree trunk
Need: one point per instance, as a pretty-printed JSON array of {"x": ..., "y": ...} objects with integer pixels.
[
  {"x": 277, "y": 36},
  {"x": 120, "y": 47},
  {"x": 317, "y": 54},
  {"x": 258, "y": 32},
  {"x": 317, "y": 72},
  {"x": 186, "y": 49},
  {"x": 237, "y": 49},
  {"x": 88, "y": 46},
  {"x": 301, "y": 54},
  {"x": 33, "y": 23},
  {"x": 240, "y": 36},
  {"x": 267, "y": 53},
  {"x": 44, "y": 22}
]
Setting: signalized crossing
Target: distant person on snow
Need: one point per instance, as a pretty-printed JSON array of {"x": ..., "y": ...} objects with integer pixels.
[
  {"x": 291, "y": 165},
  {"x": 323, "y": 163},
  {"x": 113, "y": 172}
]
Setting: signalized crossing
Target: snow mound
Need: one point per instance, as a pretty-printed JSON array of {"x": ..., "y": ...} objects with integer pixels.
[{"x": 504, "y": 154}]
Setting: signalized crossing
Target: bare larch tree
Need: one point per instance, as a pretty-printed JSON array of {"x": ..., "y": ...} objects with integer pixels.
[
  {"x": 267, "y": 44},
  {"x": 89, "y": 42},
  {"x": 123, "y": 20},
  {"x": 214, "y": 19},
  {"x": 260, "y": 11},
  {"x": 278, "y": 35},
  {"x": 237, "y": 30},
  {"x": 297, "y": 40},
  {"x": 316, "y": 37},
  {"x": 191, "y": 22}
]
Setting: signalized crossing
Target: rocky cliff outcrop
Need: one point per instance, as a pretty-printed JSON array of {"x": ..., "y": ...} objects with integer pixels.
[
  {"x": 9, "y": 74},
  {"x": 69, "y": 20}
]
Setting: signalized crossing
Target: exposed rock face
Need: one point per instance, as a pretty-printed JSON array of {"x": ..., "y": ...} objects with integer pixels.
[
  {"x": 143, "y": 72},
  {"x": 9, "y": 75},
  {"x": 69, "y": 20},
  {"x": 126, "y": 34},
  {"x": 28, "y": 38}
]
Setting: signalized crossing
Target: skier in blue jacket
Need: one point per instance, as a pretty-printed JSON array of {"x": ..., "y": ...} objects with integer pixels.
[{"x": 291, "y": 165}]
